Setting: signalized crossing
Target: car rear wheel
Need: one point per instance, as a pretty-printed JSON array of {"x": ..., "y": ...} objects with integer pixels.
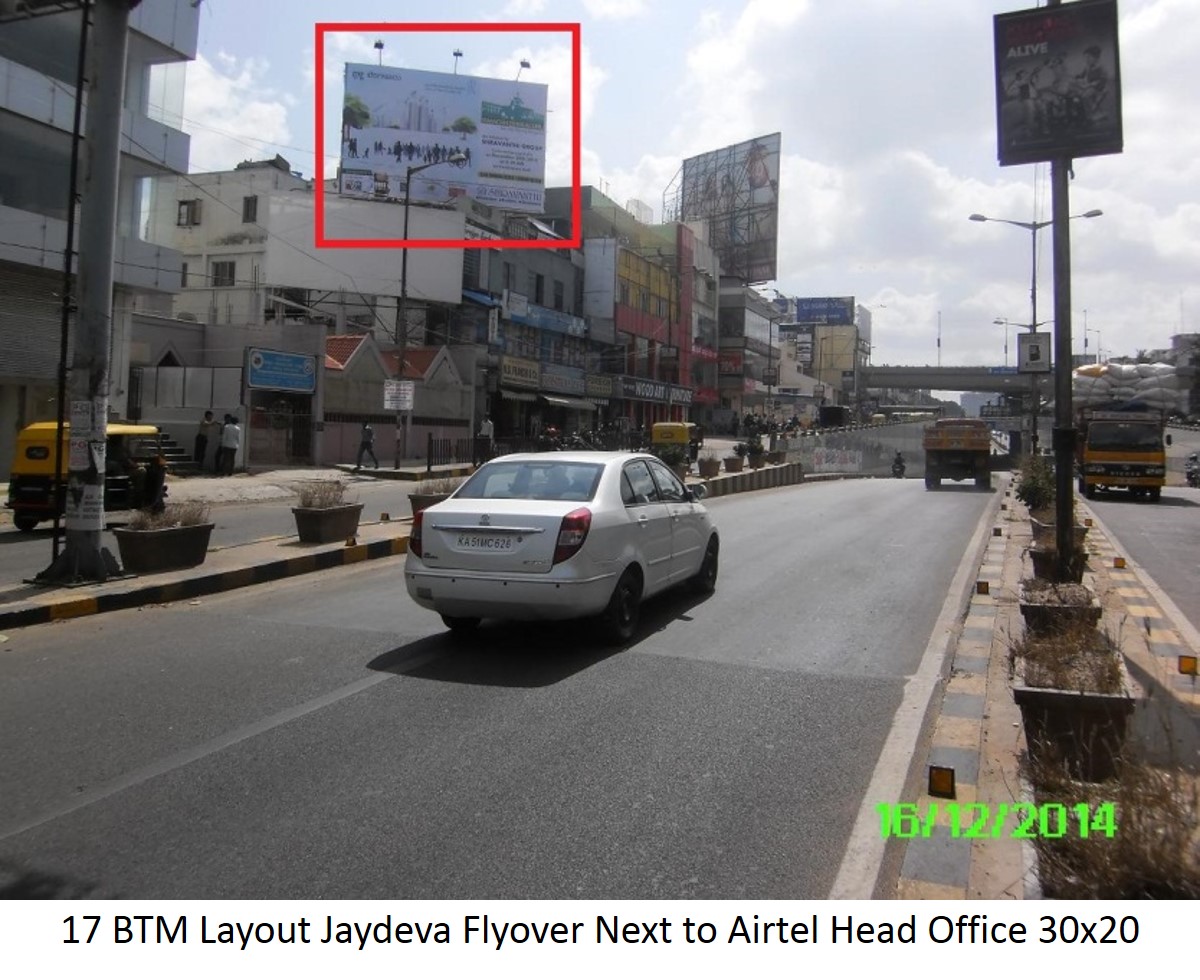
[
  {"x": 461, "y": 624},
  {"x": 24, "y": 522},
  {"x": 620, "y": 618},
  {"x": 704, "y": 582}
]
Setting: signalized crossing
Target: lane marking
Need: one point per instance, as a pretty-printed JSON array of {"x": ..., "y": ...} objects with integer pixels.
[
  {"x": 862, "y": 862},
  {"x": 210, "y": 747}
]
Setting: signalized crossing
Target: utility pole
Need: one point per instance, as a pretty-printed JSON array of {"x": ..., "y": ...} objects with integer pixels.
[{"x": 83, "y": 558}]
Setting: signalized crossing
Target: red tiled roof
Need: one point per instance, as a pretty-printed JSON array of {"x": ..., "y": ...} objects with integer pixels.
[
  {"x": 416, "y": 361},
  {"x": 341, "y": 347}
]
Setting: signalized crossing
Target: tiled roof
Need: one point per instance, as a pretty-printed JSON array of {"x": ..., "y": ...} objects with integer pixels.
[
  {"x": 339, "y": 348},
  {"x": 417, "y": 361}
]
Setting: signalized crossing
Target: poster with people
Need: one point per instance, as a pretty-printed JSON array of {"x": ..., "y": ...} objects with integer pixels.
[
  {"x": 1058, "y": 82},
  {"x": 482, "y": 138}
]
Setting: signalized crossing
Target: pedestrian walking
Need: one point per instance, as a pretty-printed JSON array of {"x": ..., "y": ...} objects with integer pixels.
[
  {"x": 366, "y": 445},
  {"x": 209, "y": 428}
]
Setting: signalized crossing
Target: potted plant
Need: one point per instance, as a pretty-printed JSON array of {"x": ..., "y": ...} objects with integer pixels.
[
  {"x": 434, "y": 491},
  {"x": 1035, "y": 488},
  {"x": 709, "y": 465},
  {"x": 1052, "y": 607},
  {"x": 1075, "y": 698},
  {"x": 734, "y": 463},
  {"x": 323, "y": 514},
  {"x": 675, "y": 456},
  {"x": 175, "y": 537},
  {"x": 756, "y": 451}
]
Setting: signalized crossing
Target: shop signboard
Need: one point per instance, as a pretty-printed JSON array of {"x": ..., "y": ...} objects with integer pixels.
[
  {"x": 517, "y": 372},
  {"x": 276, "y": 370}
]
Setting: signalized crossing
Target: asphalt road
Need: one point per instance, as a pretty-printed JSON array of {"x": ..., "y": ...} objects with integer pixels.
[{"x": 325, "y": 738}]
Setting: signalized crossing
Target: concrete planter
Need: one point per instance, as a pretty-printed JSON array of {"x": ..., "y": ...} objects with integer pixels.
[
  {"x": 162, "y": 549},
  {"x": 1085, "y": 731},
  {"x": 1045, "y": 565},
  {"x": 734, "y": 464},
  {"x": 324, "y": 525},
  {"x": 1044, "y": 613},
  {"x": 1045, "y": 534},
  {"x": 709, "y": 468}
]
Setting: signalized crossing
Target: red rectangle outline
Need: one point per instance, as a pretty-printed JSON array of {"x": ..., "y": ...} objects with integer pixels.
[{"x": 320, "y": 241}]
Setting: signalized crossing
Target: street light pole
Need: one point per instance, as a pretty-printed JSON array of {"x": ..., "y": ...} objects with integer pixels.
[
  {"x": 1033, "y": 227},
  {"x": 458, "y": 159}
]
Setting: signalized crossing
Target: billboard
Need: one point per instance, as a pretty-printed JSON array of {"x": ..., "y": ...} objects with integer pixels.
[
  {"x": 1058, "y": 82},
  {"x": 830, "y": 311},
  {"x": 482, "y": 138},
  {"x": 735, "y": 190}
]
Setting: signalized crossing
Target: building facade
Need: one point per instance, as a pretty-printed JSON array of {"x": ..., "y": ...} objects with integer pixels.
[{"x": 38, "y": 77}]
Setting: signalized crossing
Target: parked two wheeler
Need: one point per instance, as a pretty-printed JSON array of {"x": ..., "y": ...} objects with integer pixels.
[{"x": 898, "y": 469}]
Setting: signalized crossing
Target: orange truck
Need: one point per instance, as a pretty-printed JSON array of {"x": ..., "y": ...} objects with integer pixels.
[
  {"x": 1122, "y": 449},
  {"x": 958, "y": 449}
]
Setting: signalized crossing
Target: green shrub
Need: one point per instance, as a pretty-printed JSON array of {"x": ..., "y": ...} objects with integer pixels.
[
  {"x": 1035, "y": 488},
  {"x": 673, "y": 454}
]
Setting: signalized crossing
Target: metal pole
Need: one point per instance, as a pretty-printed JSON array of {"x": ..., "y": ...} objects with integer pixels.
[
  {"x": 84, "y": 559},
  {"x": 1034, "y": 228},
  {"x": 1064, "y": 431},
  {"x": 68, "y": 306},
  {"x": 402, "y": 323}
]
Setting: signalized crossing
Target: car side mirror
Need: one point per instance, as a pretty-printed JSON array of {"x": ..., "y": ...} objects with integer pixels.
[
  {"x": 697, "y": 492},
  {"x": 1168, "y": 438}
]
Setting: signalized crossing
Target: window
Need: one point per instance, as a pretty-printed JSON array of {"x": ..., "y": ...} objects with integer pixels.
[
  {"x": 223, "y": 273},
  {"x": 188, "y": 214},
  {"x": 510, "y": 276},
  {"x": 662, "y": 307},
  {"x": 539, "y": 288},
  {"x": 669, "y": 487},
  {"x": 645, "y": 301},
  {"x": 642, "y": 489},
  {"x": 183, "y": 276},
  {"x": 249, "y": 209},
  {"x": 624, "y": 294},
  {"x": 558, "y": 295}
]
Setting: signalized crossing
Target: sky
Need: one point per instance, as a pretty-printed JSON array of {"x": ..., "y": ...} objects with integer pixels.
[{"x": 888, "y": 121}]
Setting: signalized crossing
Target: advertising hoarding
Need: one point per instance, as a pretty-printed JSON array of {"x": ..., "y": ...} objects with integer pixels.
[
  {"x": 1033, "y": 353},
  {"x": 397, "y": 118},
  {"x": 735, "y": 190},
  {"x": 1058, "y": 82},
  {"x": 833, "y": 311}
]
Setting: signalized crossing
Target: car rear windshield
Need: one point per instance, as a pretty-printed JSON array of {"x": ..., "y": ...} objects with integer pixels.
[{"x": 533, "y": 480}]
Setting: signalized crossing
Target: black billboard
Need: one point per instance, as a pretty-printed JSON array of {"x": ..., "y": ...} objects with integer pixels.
[{"x": 1058, "y": 82}]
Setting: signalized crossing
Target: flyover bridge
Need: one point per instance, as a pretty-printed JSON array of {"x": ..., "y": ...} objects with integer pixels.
[{"x": 1000, "y": 379}]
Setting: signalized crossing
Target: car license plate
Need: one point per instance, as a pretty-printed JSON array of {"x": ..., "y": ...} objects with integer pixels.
[{"x": 485, "y": 542}]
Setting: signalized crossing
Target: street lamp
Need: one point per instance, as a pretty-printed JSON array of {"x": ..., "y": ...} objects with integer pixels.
[
  {"x": 379, "y": 48},
  {"x": 1099, "y": 343},
  {"x": 1033, "y": 227},
  {"x": 998, "y": 321},
  {"x": 458, "y": 159},
  {"x": 457, "y": 54},
  {"x": 524, "y": 64}
]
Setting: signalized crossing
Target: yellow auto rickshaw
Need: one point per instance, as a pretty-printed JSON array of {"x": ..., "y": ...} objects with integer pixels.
[
  {"x": 689, "y": 434},
  {"x": 133, "y": 461}
]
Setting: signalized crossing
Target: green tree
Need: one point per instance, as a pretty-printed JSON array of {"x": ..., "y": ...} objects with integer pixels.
[
  {"x": 355, "y": 112},
  {"x": 463, "y": 124}
]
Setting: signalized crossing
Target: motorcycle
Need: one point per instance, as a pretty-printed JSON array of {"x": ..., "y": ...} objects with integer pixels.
[
  {"x": 1191, "y": 472},
  {"x": 898, "y": 469}
]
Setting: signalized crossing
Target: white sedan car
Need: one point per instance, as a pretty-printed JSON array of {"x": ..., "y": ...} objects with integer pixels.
[{"x": 561, "y": 535}]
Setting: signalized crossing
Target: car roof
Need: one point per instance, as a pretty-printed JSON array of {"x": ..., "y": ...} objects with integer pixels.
[{"x": 570, "y": 456}]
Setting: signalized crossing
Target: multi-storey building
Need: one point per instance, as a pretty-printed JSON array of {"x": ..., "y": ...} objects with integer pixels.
[{"x": 38, "y": 69}]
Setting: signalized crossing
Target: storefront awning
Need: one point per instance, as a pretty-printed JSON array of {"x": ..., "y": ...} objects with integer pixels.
[
  {"x": 517, "y": 396},
  {"x": 564, "y": 402}
]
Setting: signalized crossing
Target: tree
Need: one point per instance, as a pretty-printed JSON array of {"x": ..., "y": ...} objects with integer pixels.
[
  {"x": 355, "y": 113},
  {"x": 463, "y": 124}
]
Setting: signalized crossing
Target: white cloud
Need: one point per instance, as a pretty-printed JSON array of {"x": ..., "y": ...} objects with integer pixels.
[
  {"x": 232, "y": 116},
  {"x": 615, "y": 9}
]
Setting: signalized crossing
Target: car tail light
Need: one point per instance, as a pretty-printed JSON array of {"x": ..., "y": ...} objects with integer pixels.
[
  {"x": 414, "y": 538},
  {"x": 572, "y": 533}
]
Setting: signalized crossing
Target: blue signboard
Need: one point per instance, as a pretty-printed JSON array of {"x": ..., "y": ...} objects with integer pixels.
[
  {"x": 828, "y": 310},
  {"x": 280, "y": 370}
]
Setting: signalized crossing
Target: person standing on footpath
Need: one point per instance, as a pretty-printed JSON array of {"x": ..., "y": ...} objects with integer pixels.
[
  {"x": 366, "y": 444},
  {"x": 231, "y": 441},
  {"x": 486, "y": 432},
  {"x": 209, "y": 427}
]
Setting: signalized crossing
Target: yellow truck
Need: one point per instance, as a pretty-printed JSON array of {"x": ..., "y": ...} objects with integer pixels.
[
  {"x": 958, "y": 449},
  {"x": 1121, "y": 450}
]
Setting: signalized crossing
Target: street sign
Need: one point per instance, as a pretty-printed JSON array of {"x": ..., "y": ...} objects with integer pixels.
[{"x": 398, "y": 396}]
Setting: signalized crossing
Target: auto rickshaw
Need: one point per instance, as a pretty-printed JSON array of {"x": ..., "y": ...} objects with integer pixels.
[
  {"x": 134, "y": 471},
  {"x": 687, "y": 434}
]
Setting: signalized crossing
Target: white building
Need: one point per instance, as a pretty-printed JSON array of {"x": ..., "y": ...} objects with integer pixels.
[
  {"x": 38, "y": 67},
  {"x": 253, "y": 279}
]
